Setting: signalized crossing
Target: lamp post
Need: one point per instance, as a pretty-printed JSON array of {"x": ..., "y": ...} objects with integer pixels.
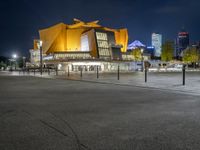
[
  {"x": 24, "y": 62},
  {"x": 198, "y": 55},
  {"x": 41, "y": 62},
  {"x": 14, "y": 56},
  {"x": 142, "y": 60},
  {"x": 10, "y": 60}
]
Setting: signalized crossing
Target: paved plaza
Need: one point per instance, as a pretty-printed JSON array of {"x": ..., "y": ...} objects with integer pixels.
[
  {"x": 55, "y": 113},
  {"x": 171, "y": 81}
]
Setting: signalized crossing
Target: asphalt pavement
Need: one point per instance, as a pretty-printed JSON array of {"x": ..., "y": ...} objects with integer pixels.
[{"x": 57, "y": 114}]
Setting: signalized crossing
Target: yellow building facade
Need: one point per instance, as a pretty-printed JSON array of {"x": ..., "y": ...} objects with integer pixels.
[
  {"x": 81, "y": 44},
  {"x": 65, "y": 38}
]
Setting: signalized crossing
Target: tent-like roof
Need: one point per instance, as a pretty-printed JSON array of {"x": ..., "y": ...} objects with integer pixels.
[
  {"x": 135, "y": 44},
  {"x": 66, "y": 37}
]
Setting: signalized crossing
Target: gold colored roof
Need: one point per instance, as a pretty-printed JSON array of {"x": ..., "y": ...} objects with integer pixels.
[{"x": 65, "y": 37}]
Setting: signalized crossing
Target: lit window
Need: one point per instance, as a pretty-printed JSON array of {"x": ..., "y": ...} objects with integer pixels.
[{"x": 101, "y": 36}]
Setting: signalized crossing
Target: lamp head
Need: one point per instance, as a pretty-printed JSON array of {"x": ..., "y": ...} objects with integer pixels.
[
  {"x": 41, "y": 43},
  {"x": 14, "y": 56}
]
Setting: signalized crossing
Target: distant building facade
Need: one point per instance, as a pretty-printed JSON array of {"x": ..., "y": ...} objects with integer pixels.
[
  {"x": 150, "y": 50},
  {"x": 157, "y": 44},
  {"x": 182, "y": 42}
]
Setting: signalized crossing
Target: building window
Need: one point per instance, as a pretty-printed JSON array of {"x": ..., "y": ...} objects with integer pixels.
[
  {"x": 103, "y": 46},
  {"x": 84, "y": 43},
  {"x": 101, "y": 36}
]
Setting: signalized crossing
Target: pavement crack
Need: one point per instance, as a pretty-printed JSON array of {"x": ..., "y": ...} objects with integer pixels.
[
  {"x": 5, "y": 113},
  {"x": 79, "y": 144},
  {"x": 52, "y": 127},
  {"x": 47, "y": 124}
]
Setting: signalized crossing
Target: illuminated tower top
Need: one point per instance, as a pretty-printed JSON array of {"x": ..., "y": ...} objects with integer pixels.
[
  {"x": 157, "y": 44},
  {"x": 182, "y": 41}
]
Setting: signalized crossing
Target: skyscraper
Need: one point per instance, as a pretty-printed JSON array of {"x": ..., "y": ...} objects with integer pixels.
[
  {"x": 157, "y": 44},
  {"x": 182, "y": 42}
]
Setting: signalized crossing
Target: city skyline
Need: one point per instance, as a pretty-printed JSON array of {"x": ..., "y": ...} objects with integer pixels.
[{"x": 24, "y": 18}]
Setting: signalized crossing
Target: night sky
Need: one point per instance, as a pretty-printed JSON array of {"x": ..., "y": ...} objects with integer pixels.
[{"x": 21, "y": 19}]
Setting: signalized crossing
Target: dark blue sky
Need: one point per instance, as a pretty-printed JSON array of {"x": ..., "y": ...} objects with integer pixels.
[{"x": 21, "y": 19}]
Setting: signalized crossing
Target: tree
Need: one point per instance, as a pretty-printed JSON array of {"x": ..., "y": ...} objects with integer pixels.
[
  {"x": 167, "y": 51},
  {"x": 190, "y": 55},
  {"x": 20, "y": 62},
  {"x": 137, "y": 54},
  {"x": 3, "y": 62},
  {"x": 2, "y": 65}
]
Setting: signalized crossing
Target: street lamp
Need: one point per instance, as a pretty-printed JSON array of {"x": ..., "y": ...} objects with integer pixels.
[
  {"x": 40, "y": 48},
  {"x": 198, "y": 55},
  {"x": 142, "y": 60},
  {"x": 14, "y": 56},
  {"x": 24, "y": 62}
]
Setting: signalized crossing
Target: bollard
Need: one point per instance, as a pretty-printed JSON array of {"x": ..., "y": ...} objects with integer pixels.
[
  {"x": 48, "y": 71},
  {"x": 184, "y": 74},
  {"x": 68, "y": 71},
  {"x": 41, "y": 71},
  {"x": 97, "y": 72},
  {"x": 146, "y": 74},
  {"x": 65, "y": 72},
  {"x": 118, "y": 72},
  {"x": 56, "y": 71},
  {"x": 34, "y": 71},
  {"x": 81, "y": 72}
]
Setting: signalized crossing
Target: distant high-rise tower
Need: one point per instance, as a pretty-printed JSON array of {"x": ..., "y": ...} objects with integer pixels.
[
  {"x": 157, "y": 44},
  {"x": 183, "y": 42}
]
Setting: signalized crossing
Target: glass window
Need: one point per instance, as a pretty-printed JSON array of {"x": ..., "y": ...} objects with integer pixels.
[
  {"x": 84, "y": 43},
  {"x": 101, "y": 36},
  {"x": 102, "y": 43}
]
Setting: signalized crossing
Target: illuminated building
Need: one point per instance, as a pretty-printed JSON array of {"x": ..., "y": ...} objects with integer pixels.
[
  {"x": 182, "y": 42},
  {"x": 81, "y": 41},
  {"x": 150, "y": 50},
  {"x": 90, "y": 37},
  {"x": 135, "y": 44},
  {"x": 157, "y": 44}
]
